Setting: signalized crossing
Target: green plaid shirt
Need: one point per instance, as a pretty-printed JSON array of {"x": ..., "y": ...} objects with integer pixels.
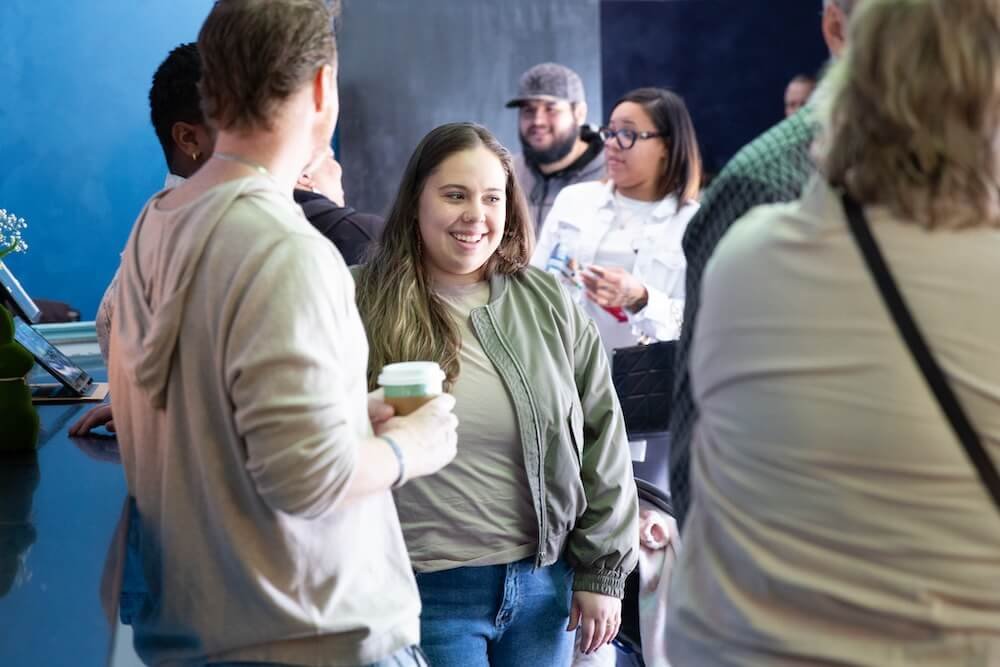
[{"x": 772, "y": 168}]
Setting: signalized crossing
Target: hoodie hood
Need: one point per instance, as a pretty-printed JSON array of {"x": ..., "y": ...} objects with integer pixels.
[{"x": 160, "y": 261}]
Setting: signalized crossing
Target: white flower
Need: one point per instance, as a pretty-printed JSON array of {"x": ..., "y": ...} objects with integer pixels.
[{"x": 11, "y": 231}]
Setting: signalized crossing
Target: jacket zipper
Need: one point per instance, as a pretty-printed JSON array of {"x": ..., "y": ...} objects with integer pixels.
[{"x": 542, "y": 524}]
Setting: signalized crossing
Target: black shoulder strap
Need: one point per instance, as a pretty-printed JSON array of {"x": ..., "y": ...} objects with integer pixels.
[{"x": 918, "y": 347}]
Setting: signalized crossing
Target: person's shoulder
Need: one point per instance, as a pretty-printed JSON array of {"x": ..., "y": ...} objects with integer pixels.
[
  {"x": 594, "y": 169},
  {"x": 325, "y": 214},
  {"x": 264, "y": 211},
  {"x": 521, "y": 167},
  {"x": 687, "y": 210},
  {"x": 542, "y": 290},
  {"x": 264, "y": 223},
  {"x": 784, "y": 147},
  {"x": 774, "y": 167},
  {"x": 754, "y": 239},
  {"x": 584, "y": 192},
  {"x": 369, "y": 223},
  {"x": 317, "y": 207},
  {"x": 534, "y": 278},
  {"x": 302, "y": 196}
]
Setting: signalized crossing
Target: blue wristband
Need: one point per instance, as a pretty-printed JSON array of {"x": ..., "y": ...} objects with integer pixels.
[{"x": 399, "y": 459}]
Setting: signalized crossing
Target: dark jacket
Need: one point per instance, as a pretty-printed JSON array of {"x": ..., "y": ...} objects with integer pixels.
[
  {"x": 349, "y": 230},
  {"x": 541, "y": 189}
]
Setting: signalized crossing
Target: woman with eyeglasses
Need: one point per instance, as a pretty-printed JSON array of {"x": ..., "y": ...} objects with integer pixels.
[{"x": 617, "y": 243}]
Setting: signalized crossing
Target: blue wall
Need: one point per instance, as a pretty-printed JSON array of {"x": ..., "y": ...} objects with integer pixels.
[{"x": 78, "y": 156}]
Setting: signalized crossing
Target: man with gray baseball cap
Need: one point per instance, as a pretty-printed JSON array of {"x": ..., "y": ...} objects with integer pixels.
[{"x": 551, "y": 110}]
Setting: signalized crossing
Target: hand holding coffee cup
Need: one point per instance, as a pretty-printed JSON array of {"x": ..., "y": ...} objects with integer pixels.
[
  {"x": 427, "y": 437},
  {"x": 425, "y": 428}
]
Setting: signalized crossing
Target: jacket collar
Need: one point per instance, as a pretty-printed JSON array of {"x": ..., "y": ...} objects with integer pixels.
[
  {"x": 668, "y": 206},
  {"x": 498, "y": 287}
]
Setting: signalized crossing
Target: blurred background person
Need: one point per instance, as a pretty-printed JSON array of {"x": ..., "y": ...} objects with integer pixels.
[
  {"x": 772, "y": 168},
  {"x": 186, "y": 138},
  {"x": 619, "y": 242},
  {"x": 836, "y": 517},
  {"x": 320, "y": 193},
  {"x": 540, "y": 499},
  {"x": 551, "y": 111},
  {"x": 797, "y": 93},
  {"x": 188, "y": 141}
]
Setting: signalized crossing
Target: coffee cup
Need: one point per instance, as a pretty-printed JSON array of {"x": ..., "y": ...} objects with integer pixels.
[{"x": 408, "y": 385}]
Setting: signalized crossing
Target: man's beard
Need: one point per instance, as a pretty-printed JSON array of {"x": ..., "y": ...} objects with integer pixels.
[{"x": 560, "y": 148}]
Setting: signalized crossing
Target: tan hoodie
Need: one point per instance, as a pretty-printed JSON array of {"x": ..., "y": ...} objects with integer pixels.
[{"x": 238, "y": 371}]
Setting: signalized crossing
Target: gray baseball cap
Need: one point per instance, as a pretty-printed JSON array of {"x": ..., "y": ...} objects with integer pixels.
[{"x": 548, "y": 81}]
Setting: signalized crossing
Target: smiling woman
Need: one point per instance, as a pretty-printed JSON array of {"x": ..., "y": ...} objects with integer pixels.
[
  {"x": 396, "y": 288},
  {"x": 462, "y": 214},
  {"x": 540, "y": 494}
]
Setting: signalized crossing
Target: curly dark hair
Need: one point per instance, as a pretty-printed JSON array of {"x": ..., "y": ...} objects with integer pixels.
[{"x": 173, "y": 96}]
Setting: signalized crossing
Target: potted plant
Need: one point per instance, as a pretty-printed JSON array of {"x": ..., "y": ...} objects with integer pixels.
[{"x": 18, "y": 418}]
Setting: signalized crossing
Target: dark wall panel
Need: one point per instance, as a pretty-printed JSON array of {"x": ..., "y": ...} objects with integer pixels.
[
  {"x": 410, "y": 65},
  {"x": 729, "y": 59}
]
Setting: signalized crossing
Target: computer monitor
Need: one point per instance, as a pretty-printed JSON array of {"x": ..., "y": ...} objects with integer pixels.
[{"x": 15, "y": 298}]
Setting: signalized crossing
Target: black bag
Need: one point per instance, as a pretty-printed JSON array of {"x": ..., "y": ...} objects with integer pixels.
[
  {"x": 908, "y": 329},
  {"x": 644, "y": 379}
]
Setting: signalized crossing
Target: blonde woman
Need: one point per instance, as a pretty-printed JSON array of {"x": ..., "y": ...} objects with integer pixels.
[
  {"x": 836, "y": 518},
  {"x": 533, "y": 528}
]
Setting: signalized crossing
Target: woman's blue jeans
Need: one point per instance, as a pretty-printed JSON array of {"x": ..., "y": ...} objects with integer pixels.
[
  {"x": 410, "y": 656},
  {"x": 497, "y": 616}
]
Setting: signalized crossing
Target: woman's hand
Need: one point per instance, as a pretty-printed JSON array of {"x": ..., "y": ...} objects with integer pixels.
[
  {"x": 99, "y": 416},
  {"x": 599, "y": 618},
  {"x": 614, "y": 287}
]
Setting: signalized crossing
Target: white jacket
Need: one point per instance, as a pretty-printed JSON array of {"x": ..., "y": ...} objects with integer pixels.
[{"x": 660, "y": 264}]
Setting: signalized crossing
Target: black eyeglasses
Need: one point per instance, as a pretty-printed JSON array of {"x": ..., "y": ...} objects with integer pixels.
[{"x": 625, "y": 137}]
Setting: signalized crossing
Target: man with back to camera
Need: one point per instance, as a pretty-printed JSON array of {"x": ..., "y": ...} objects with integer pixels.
[
  {"x": 772, "y": 168},
  {"x": 551, "y": 109},
  {"x": 187, "y": 141},
  {"x": 238, "y": 364}
]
